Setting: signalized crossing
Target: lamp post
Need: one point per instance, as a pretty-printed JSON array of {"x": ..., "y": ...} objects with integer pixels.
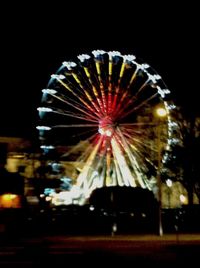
[{"x": 161, "y": 113}]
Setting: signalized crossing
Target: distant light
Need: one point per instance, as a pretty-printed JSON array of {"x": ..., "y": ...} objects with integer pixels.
[
  {"x": 44, "y": 109},
  {"x": 43, "y": 128},
  {"x": 48, "y": 191},
  {"x": 163, "y": 92},
  {"x": 105, "y": 131},
  {"x": 97, "y": 53},
  {"x": 101, "y": 131},
  {"x": 108, "y": 132},
  {"x": 49, "y": 91},
  {"x": 157, "y": 76},
  {"x": 83, "y": 57},
  {"x": 173, "y": 124},
  {"x": 129, "y": 57},
  {"x": 10, "y": 200},
  {"x": 145, "y": 66},
  {"x": 161, "y": 112},
  {"x": 58, "y": 76},
  {"x": 113, "y": 54},
  {"x": 48, "y": 198},
  {"x": 173, "y": 141},
  {"x": 47, "y": 147},
  {"x": 8, "y": 197},
  {"x": 169, "y": 182},
  {"x": 171, "y": 106},
  {"x": 91, "y": 208},
  {"x": 69, "y": 64},
  {"x": 183, "y": 199}
]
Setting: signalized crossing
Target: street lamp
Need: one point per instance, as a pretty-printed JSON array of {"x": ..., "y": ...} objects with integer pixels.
[{"x": 161, "y": 113}]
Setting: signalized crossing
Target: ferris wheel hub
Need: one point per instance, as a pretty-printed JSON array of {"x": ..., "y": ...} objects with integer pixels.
[{"x": 106, "y": 126}]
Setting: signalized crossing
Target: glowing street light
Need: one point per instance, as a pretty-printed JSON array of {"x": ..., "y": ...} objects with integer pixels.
[{"x": 161, "y": 112}]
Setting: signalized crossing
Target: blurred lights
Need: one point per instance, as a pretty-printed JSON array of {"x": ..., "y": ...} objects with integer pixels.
[
  {"x": 91, "y": 208},
  {"x": 129, "y": 58},
  {"x": 106, "y": 132},
  {"x": 43, "y": 128},
  {"x": 169, "y": 182},
  {"x": 161, "y": 112},
  {"x": 47, "y": 147},
  {"x": 83, "y": 57},
  {"x": 183, "y": 199},
  {"x": 58, "y": 76},
  {"x": 44, "y": 109},
  {"x": 69, "y": 65},
  {"x": 49, "y": 91},
  {"x": 10, "y": 200}
]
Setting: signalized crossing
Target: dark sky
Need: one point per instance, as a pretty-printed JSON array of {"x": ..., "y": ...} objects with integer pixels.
[{"x": 36, "y": 39}]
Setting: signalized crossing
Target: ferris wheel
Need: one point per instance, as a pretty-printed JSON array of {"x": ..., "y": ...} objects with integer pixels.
[{"x": 99, "y": 113}]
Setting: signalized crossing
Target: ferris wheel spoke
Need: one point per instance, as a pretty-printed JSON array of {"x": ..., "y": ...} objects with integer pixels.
[
  {"x": 76, "y": 126},
  {"x": 77, "y": 106},
  {"x": 142, "y": 104}
]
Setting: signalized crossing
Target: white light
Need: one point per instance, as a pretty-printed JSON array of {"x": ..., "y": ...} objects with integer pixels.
[
  {"x": 171, "y": 106},
  {"x": 48, "y": 198},
  {"x": 157, "y": 76},
  {"x": 145, "y": 66},
  {"x": 108, "y": 133},
  {"x": 97, "y": 53},
  {"x": 129, "y": 57},
  {"x": 152, "y": 78},
  {"x": 83, "y": 57},
  {"x": 169, "y": 182},
  {"x": 47, "y": 147},
  {"x": 113, "y": 54},
  {"x": 49, "y": 91},
  {"x": 163, "y": 92},
  {"x": 183, "y": 199},
  {"x": 62, "y": 198},
  {"x": 101, "y": 131},
  {"x": 166, "y": 91},
  {"x": 75, "y": 191},
  {"x": 161, "y": 112},
  {"x": 173, "y": 124},
  {"x": 91, "y": 208},
  {"x": 168, "y": 147},
  {"x": 43, "y": 128},
  {"x": 58, "y": 76},
  {"x": 173, "y": 141},
  {"x": 44, "y": 109},
  {"x": 69, "y": 64}
]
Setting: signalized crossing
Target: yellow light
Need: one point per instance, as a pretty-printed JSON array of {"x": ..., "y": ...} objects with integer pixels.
[
  {"x": 183, "y": 199},
  {"x": 161, "y": 112},
  {"x": 10, "y": 200},
  {"x": 8, "y": 197}
]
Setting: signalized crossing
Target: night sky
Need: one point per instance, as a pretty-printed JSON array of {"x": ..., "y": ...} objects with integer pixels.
[{"x": 35, "y": 40}]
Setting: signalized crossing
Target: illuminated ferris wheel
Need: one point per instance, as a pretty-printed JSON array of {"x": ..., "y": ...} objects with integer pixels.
[{"x": 101, "y": 106}]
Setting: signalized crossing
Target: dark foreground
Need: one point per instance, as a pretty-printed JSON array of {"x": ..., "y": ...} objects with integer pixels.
[{"x": 170, "y": 250}]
